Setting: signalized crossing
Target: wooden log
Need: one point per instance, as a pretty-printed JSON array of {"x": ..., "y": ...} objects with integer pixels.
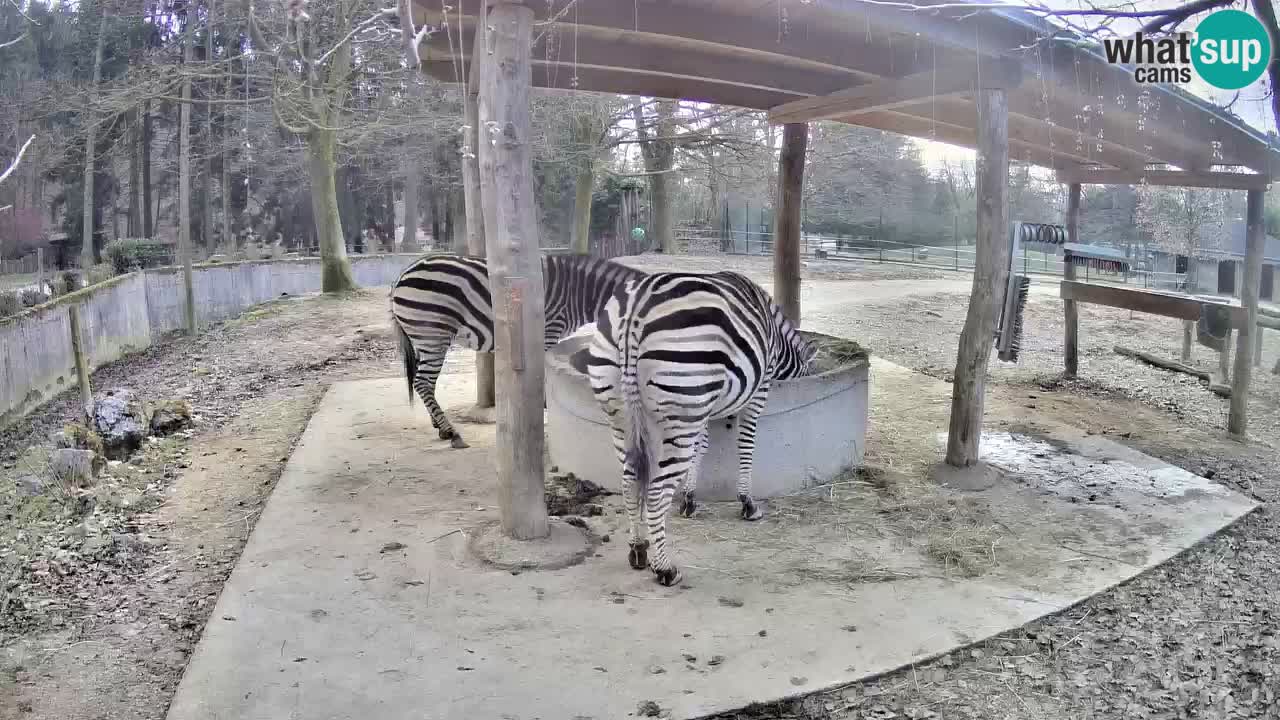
[
  {"x": 1257, "y": 345},
  {"x": 1071, "y": 338},
  {"x": 1175, "y": 366},
  {"x": 511, "y": 239},
  {"x": 1255, "y": 233},
  {"x": 473, "y": 199},
  {"x": 82, "y": 363},
  {"x": 786, "y": 236},
  {"x": 991, "y": 267}
]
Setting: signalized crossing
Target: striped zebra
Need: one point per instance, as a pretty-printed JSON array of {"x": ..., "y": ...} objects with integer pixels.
[
  {"x": 443, "y": 297},
  {"x": 671, "y": 353}
]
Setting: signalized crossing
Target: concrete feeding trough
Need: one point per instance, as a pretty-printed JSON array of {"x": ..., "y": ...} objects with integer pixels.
[{"x": 812, "y": 429}]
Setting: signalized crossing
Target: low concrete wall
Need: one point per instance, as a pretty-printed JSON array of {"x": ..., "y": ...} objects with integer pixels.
[
  {"x": 812, "y": 429},
  {"x": 35, "y": 346},
  {"x": 224, "y": 291},
  {"x": 122, "y": 315}
]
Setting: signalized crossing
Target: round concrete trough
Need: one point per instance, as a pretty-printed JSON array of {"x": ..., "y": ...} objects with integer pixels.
[{"x": 812, "y": 429}]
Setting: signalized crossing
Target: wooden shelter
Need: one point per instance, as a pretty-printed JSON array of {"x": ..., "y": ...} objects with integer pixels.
[{"x": 1006, "y": 83}]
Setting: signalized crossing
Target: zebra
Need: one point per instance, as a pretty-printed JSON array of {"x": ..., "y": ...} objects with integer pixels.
[
  {"x": 441, "y": 297},
  {"x": 673, "y": 351}
]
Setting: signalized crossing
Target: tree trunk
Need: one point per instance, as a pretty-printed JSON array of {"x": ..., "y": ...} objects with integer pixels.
[
  {"x": 989, "y": 279},
  {"x": 580, "y": 242},
  {"x": 447, "y": 201},
  {"x": 660, "y": 216},
  {"x": 184, "y": 186},
  {"x": 658, "y": 152},
  {"x": 147, "y": 224},
  {"x": 457, "y": 222},
  {"x": 206, "y": 180},
  {"x": 476, "y": 210},
  {"x": 90, "y": 150},
  {"x": 433, "y": 199},
  {"x": 335, "y": 269},
  {"x": 1071, "y": 313},
  {"x": 515, "y": 271},
  {"x": 411, "y": 174},
  {"x": 1256, "y": 240},
  {"x": 134, "y": 225},
  {"x": 786, "y": 236}
]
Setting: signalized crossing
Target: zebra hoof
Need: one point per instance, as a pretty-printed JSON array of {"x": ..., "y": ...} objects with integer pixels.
[
  {"x": 456, "y": 441},
  {"x": 669, "y": 577},
  {"x": 688, "y": 506},
  {"x": 446, "y": 434},
  {"x": 750, "y": 510},
  {"x": 638, "y": 555}
]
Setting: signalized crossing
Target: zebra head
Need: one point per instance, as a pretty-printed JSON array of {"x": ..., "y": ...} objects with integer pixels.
[{"x": 797, "y": 352}]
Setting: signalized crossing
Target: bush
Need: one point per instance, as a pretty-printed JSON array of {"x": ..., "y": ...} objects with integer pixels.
[
  {"x": 101, "y": 273},
  {"x": 129, "y": 254},
  {"x": 10, "y": 304},
  {"x": 32, "y": 297}
]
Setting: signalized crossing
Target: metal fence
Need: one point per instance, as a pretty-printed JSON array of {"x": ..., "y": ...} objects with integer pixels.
[{"x": 952, "y": 257}]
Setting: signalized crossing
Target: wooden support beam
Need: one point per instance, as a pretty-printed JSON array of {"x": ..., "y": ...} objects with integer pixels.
[
  {"x": 472, "y": 199},
  {"x": 1071, "y": 314},
  {"x": 1256, "y": 238},
  {"x": 82, "y": 363},
  {"x": 1168, "y": 178},
  {"x": 786, "y": 236},
  {"x": 990, "y": 270},
  {"x": 515, "y": 268},
  {"x": 896, "y": 92},
  {"x": 1181, "y": 307}
]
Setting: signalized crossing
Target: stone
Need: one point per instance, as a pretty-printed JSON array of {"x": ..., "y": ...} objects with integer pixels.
[
  {"x": 78, "y": 437},
  {"x": 30, "y": 486},
  {"x": 170, "y": 416},
  {"x": 74, "y": 468},
  {"x": 123, "y": 421}
]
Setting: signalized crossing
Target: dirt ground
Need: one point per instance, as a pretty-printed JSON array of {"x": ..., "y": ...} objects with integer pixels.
[{"x": 103, "y": 632}]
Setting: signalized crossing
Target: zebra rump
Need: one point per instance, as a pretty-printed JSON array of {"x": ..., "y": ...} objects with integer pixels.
[
  {"x": 672, "y": 352},
  {"x": 443, "y": 298}
]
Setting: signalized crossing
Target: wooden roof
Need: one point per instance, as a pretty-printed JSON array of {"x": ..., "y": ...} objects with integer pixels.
[{"x": 1071, "y": 110}]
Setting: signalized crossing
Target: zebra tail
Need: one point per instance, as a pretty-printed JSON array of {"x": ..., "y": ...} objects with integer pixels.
[
  {"x": 638, "y": 435},
  {"x": 409, "y": 355}
]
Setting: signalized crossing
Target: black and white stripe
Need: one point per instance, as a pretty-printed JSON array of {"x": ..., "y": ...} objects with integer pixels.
[
  {"x": 443, "y": 297},
  {"x": 671, "y": 353}
]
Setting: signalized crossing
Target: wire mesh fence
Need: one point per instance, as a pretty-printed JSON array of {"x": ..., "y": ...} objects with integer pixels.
[{"x": 1030, "y": 261}]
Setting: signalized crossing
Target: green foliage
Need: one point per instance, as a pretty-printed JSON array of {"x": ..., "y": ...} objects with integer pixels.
[
  {"x": 100, "y": 273},
  {"x": 10, "y": 304},
  {"x": 129, "y": 254}
]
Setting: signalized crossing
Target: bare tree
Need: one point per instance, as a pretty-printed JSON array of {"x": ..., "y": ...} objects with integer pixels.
[
  {"x": 309, "y": 99},
  {"x": 17, "y": 160},
  {"x": 90, "y": 150}
]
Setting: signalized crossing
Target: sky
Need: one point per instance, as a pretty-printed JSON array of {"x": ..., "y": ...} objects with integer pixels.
[{"x": 1252, "y": 106}]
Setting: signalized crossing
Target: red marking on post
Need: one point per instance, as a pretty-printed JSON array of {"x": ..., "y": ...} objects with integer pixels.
[{"x": 515, "y": 320}]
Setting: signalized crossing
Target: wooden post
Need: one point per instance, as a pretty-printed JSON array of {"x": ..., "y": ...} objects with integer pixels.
[
  {"x": 1224, "y": 360},
  {"x": 786, "y": 224},
  {"x": 40, "y": 269},
  {"x": 473, "y": 201},
  {"x": 1257, "y": 347},
  {"x": 515, "y": 266},
  {"x": 991, "y": 267},
  {"x": 1255, "y": 232},
  {"x": 82, "y": 363},
  {"x": 184, "y": 190},
  {"x": 1071, "y": 313}
]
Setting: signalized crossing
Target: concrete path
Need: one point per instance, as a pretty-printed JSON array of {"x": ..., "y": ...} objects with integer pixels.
[{"x": 358, "y": 597}]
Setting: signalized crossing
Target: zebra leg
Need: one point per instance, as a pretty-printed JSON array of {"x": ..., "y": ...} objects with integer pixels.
[
  {"x": 688, "y": 506},
  {"x": 672, "y": 467},
  {"x": 745, "y": 430},
  {"x": 424, "y": 381},
  {"x": 606, "y": 379}
]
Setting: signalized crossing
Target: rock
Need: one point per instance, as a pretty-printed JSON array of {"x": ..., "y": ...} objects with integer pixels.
[
  {"x": 170, "y": 416},
  {"x": 74, "y": 468},
  {"x": 78, "y": 437},
  {"x": 122, "y": 420},
  {"x": 30, "y": 486}
]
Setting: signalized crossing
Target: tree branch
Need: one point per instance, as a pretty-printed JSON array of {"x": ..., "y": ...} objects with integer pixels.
[{"x": 14, "y": 165}]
